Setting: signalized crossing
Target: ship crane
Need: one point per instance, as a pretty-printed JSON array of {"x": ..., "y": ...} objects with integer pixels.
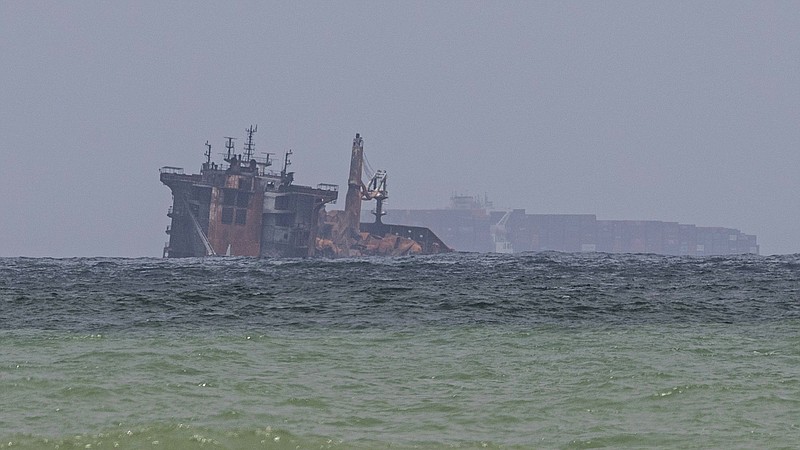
[
  {"x": 498, "y": 231},
  {"x": 376, "y": 190},
  {"x": 357, "y": 191}
]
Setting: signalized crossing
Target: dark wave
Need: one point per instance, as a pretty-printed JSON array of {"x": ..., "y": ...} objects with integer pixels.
[{"x": 458, "y": 289}]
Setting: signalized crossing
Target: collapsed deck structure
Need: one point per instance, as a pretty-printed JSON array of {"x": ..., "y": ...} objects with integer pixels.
[
  {"x": 245, "y": 209},
  {"x": 346, "y": 235}
]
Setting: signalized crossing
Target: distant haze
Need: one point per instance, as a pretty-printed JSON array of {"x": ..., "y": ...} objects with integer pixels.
[{"x": 643, "y": 110}]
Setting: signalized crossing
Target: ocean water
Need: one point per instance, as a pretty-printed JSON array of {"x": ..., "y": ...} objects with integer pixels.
[{"x": 542, "y": 350}]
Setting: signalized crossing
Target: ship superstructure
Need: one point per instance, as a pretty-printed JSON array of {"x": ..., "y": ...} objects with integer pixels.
[{"x": 243, "y": 208}]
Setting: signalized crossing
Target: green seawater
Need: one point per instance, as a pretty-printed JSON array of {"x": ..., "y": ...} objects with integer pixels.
[{"x": 483, "y": 386}]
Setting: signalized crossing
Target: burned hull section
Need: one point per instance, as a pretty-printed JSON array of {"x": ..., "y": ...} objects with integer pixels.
[
  {"x": 242, "y": 214},
  {"x": 399, "y": 240},
  {"x": 379, "y": 239},
  {"x": 291, "y": 219}
]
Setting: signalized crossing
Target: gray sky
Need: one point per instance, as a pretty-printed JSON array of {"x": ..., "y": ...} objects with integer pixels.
[{"x": 677, "y": 111}]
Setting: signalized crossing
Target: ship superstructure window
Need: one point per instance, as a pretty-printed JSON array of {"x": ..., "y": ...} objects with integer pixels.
[
  {"x": 284, "y": 220},
  {"x": 245, "y": 184},
  {"x": 229, "y": 197},
  {"x": 242, "y": 199},
  {"x": 241, "y": 216},
  {"x": 282, "y": 202},
  {"x": 227, "y": 215}
]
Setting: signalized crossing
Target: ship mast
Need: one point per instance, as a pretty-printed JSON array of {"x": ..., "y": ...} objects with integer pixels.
[
  {"x": 249, "y": 146},
  {"x": 229, "y": 146},
  {"x": 207, "y": 154}
]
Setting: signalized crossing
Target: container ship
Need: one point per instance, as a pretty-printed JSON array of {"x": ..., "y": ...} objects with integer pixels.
[
  {"x": 473, "y": 224},
  {"x": 243, "y": 208}
]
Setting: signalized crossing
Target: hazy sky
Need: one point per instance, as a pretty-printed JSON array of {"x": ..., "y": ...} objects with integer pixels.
[{"x": 676, "y": 111}]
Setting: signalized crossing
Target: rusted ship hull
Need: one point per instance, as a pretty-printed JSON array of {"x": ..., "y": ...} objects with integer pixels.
[{"x": 241, "y": 214}]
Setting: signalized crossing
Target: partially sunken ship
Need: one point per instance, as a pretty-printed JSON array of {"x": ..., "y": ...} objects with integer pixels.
[{"x": 242, "y": 208}]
